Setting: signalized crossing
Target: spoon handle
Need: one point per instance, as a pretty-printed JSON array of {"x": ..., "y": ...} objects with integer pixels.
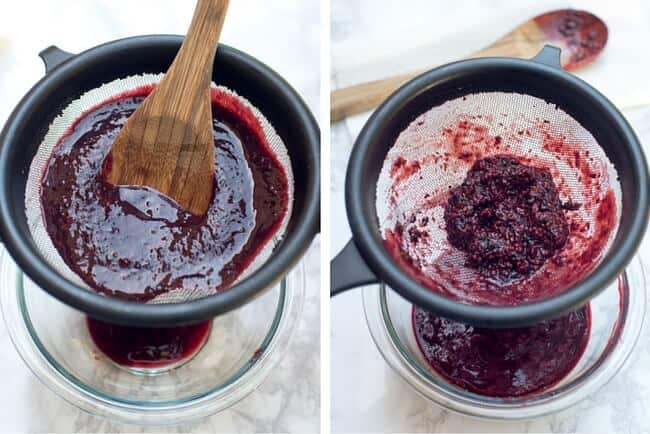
[
  {"x": 365, "y": 96},
  {"x": 523, "y": 42},
  {"x": 196, "y": 56}
]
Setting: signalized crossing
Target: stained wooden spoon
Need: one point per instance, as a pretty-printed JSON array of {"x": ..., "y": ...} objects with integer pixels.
[
  {"x": 580, "y": 35},
  {"x": 167, "y": 143}
]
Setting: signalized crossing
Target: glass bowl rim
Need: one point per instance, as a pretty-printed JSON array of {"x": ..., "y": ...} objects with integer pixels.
[
  {"x": 138, "y": 412},
  {"x": 437, "y": 391}
]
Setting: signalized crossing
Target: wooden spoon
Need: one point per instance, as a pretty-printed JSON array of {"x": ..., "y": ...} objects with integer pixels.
[
  {"x": 580, "y": 35},
  {"x": 167, "y": 143}
]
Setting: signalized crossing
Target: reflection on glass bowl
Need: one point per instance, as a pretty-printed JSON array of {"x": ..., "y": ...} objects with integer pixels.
[
  {"x": 242, "y": 348},
  {"x": 617, "y": 315}
]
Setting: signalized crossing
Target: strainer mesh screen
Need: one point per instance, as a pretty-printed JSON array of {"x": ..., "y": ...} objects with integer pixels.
[
  {"x": 65, "y": 121},
  {"x": 435, "y": 152}
]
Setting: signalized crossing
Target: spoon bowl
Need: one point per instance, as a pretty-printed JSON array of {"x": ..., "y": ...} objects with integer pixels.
[{"x": 167, "y": 143}]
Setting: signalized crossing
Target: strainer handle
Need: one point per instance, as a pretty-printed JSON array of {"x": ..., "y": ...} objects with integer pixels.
[
  {"x": 549, "y": 55},
  {"x": 53, "y": 56},
  {"x": 348, "y": 270}
]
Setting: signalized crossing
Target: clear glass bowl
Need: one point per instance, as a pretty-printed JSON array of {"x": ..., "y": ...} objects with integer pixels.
[
  {"x": 616, "y": 319},
  {"x": 243, "y": 347}
]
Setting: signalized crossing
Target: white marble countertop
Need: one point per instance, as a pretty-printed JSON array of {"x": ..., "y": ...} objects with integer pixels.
[
  {"x": 374, "y": 38},
  {"x": 26, "y": 28}
]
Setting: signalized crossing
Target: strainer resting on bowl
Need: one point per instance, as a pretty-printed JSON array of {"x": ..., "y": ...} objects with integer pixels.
[
  {"x": 75, "y": 85},
  {"x": 440, "y": 158}
]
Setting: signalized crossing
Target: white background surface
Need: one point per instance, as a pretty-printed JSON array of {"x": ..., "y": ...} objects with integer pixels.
[
  {"x": 375, "y": 38},
  {"x": 285, "y": 35}
]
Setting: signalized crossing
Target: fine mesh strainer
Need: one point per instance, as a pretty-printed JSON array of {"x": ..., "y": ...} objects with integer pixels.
[
  {"x": 73, "y": 82},
  {"x": 65, "y": 123},
  {"x": 422, "y": 142}
]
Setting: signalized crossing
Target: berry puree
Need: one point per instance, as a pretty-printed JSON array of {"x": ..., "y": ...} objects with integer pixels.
[
  {"x": 503, "y": 362},
  {"x": 148, "y": 347},
  {"x": 136, "y": 244},
  {"x": 507, "y": 217}
]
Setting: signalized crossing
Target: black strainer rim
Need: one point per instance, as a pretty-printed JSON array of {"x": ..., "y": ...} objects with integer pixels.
[{"x": 368, "y": 243}]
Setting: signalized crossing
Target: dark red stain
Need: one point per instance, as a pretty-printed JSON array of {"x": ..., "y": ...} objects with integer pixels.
[
  {"x": 606, "y": 221},
  {"x": 416, "y": 235},
  {"x": 468, "y": 138},
  {"x": 148, "y": 347},
  {"x": 136, "y": 244},
  {"x": 402, "y": 169},
  {"x": 393, "y": 241},
  {"x": 581, "y": 35},
  {"x": 503, "y": 362}
]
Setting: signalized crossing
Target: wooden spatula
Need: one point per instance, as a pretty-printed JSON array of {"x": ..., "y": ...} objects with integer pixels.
[
  {"x": 579, "y": 34},
  {"x": 167, "y": 143}
]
